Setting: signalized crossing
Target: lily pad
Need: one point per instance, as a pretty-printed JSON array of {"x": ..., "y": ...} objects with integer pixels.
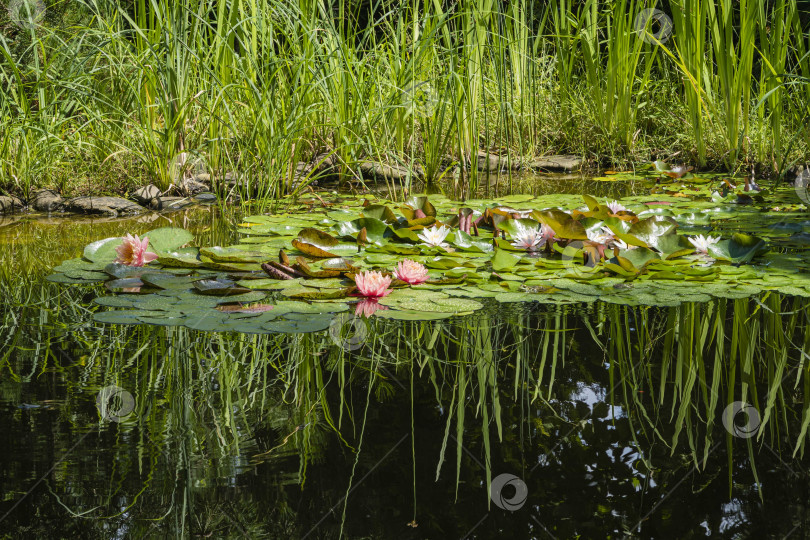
[
  {"x": 167, "y": 239},
  {"x": 741, "y": 248},
  {"x": 102, "y": 250}
]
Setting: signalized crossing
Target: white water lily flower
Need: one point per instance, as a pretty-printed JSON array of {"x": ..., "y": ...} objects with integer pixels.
[
  {"x": 600, "y": 236},
  {"x": 615, "y": 207},
  {"x": 435, "y": 236},
  {"x": 702, "y": 244},
  {"x": 530, "y": 239}
]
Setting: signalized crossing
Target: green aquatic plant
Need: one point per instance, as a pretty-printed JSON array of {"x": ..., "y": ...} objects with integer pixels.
[{"x": 309, "y": 266}]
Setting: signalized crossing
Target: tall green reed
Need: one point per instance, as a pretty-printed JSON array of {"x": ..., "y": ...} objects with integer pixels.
[
  {"x": 612, "y": 55},
  {"x": 257, "y": 86}
]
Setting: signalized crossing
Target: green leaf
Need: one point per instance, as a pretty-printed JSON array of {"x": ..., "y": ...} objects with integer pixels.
[
  {"x": 167, "y": 239},
  {"x": 564, "y": 226},
  {"x": 440, "y": 305},
  {"x": 317, "y": 238},
  {"x": 376, "y": 230},
  {"x": 741, "y": 248},
  {"x": 102, "y": 250},
  {"x": 233, "y": 254},
  {"x": 381, "y": 212},
  {"x": 252, "y": 296},
  {"x": 218, "y": 287},
  {"x": 651, "y": 228},
  {"x": 503, "y": 260},
  {"x": 673, "y": 245},
  {"x": 312, "y": 251},
  {"x": 514, "y": 226},
  {"x": 410, "y": 315},
  {"x": 181, "y": 258},
  {"x": 73, "y": 265},
  {"x": 118, "y": 317},
  {"x": 418, "y": 202},
  {"x": 639, "y": 257}
]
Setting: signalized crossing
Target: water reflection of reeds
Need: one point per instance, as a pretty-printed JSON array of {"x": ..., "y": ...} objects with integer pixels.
[{"x": 523, "y": 387}]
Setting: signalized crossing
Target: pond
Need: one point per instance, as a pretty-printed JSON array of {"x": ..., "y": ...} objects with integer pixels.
[{"x": 524, "y": 418}]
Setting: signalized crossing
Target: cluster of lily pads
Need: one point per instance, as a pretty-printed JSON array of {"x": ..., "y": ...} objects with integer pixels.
[{"x": 432, "y": 258}]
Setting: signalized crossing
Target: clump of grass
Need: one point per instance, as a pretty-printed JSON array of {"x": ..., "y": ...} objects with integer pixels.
[{"x": 257, "y": 87}]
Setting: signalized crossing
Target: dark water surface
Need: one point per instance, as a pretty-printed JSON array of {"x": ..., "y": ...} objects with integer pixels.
[{"x": 596, "y": 421}]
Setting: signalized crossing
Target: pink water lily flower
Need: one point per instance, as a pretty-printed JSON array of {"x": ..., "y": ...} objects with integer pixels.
[
  {"x": 372, "y": 284},
  {"x": 132, "y": 251},
  {"x": 411, "y": 272}
]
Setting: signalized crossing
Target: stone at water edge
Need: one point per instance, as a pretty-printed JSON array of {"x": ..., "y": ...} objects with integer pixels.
[
  {"x": 169, "y": 203},
  {"x": 557, "y": 163},
  {"x": 382, "y": 171},
  {"x": 103, "y": 205},
  {"x": 47, "y": 200},
  {"x": 192, "y": 186},
  {"x": 10, "y": 204},
  {"x": 145, "y": 194},
  {"x": 206, "y": 197},
  {"x": 492, "y": 162}
]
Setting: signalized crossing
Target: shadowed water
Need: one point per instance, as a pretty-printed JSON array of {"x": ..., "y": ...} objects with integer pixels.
[{"x": 606, "y": 419}]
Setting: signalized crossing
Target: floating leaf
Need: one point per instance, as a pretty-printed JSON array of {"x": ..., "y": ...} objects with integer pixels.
[
  {"x": 218, "y": 287},
  {"x": 251, "y": 296},
  {"x": 381, "y": 212},
  {"x": 119, "y": 317},
  {"x": 317, "y": 295},
  {"x": 563, "y": 225},
  {"x": 410, "y": 315},
  {"x": 376, "y": 230},
  {"x": 168, "y": 281},
  {"x": 181, "y": 258},
  {"x": 440, "y": 305},
  {"x": 317, "y": 238},
  {"x": 233, "y": 254},
  {"x": 167, "y": 239},
  {"x": 312, "y": 251},
  {"x": 102, "y": 250},
  {"x": 741, "y": 248},
  {"x": 639, "y": 257},
  {"x": 503, "y": 260}
]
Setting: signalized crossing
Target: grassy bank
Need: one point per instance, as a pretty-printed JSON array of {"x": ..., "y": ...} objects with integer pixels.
[{"x": 101, "y": 96}]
